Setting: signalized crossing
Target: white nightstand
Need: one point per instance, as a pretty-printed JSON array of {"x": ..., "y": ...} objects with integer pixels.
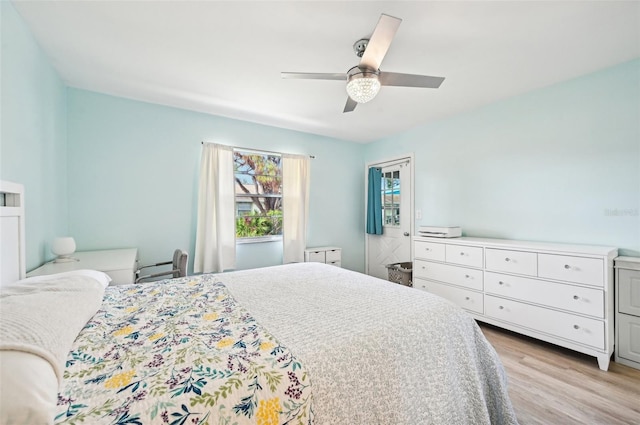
[
  {"x": 324, "y": 254},
  {"x": 628, "y": 311},
  {"x": 119, "y": 264}
]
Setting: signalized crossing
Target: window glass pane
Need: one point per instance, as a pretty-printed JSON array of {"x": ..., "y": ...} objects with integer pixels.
[
  {"x": 392, "y": 191},
  {"x": 387, "y": 216},
  {"x": 396, "y": 198},
  {"x": 258, "y": 181},
  {"x": 388, "y": 192}
]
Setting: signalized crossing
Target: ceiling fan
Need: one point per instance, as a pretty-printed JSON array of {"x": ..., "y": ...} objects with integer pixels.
[{"x": 365, "y": 79}]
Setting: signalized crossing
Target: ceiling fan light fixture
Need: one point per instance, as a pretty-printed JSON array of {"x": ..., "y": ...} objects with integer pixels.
[{"x": 363, "y": 85}]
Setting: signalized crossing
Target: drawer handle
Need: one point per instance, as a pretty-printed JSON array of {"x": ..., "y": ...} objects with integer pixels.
[
  {"x": 576, "y": 327},
  {"x": 461, "y": 253},
  {"x": 575, "y": 297},
  {"x": 507, "y": 259},
  {"x": 501, "y": 307},
  {"x": 566, "y": 266},
  {"x": 467, "y": 298},
  {"x": 424, "y": 267},
  {"x": 467, "y": 276},
  {"x": 500, "y": 283},
  {"x": 427, "y": 249}
]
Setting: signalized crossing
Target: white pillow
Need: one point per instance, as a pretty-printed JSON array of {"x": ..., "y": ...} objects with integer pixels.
[
  {"x": 29, "y": 390},
  {"x": 28, "y": 382},
  {"x": 101, "y": 277}
]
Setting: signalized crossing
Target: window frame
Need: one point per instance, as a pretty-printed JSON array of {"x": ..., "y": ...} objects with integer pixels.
[
  {"x": 265, "y": 238},
  {"x": 391, "y": 206}
]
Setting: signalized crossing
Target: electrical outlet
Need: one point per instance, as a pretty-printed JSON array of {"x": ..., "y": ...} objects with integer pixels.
[{"x": 418, "y": 214}]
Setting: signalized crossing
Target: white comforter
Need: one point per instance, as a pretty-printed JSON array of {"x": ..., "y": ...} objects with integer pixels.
[{"x": 377, "y": 352}]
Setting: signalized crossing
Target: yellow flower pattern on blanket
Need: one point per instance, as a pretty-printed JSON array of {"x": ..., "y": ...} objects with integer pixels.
[
  {"x": 266, "y": 345},
  {"x": 268, "y": 411},
  {"x": 200, "y": 358},
  {"x": 210, "y": 316},
  {"x": 120, "y": 380},
  {"x": 225, "y": 343},
  {"x": 156, "y": 336},
  {"x": 124, "y": 331}
]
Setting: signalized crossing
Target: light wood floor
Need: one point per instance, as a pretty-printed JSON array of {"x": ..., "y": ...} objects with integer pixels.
[{"x": 552, "y": 385}]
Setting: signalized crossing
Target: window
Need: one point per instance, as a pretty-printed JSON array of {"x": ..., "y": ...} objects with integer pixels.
[
  {"x": 391, "y": 198},
  {"x": 258, "y": 194}
]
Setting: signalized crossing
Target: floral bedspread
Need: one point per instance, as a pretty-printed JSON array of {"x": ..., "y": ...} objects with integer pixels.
[{"x": 177, "y": 352}]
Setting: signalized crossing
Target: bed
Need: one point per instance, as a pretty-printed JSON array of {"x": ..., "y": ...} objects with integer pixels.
[{"x": 302, "y": 343}]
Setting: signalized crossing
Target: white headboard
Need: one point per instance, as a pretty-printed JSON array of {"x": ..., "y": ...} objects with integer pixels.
[{"x": 12, "y": 245}]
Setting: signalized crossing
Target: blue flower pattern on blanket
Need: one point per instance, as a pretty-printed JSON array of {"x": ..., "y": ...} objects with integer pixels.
[{"x": 180, "y": 351}]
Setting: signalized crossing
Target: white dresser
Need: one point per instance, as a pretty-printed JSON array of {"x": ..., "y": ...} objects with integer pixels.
[
  {"x": 628, "y": 311},
  {"x": 562, "y": 294},
  {"x": 324, "y": 254},
  {"x": 119, "y": 264}
]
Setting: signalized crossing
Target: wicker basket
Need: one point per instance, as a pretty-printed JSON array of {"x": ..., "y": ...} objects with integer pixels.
[{"x": 400, "y": 273}]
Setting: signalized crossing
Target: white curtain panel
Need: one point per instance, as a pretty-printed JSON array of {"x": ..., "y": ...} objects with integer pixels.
[
  {"x": 216, "y": 230},
  {"x": 295, "y": 206}
]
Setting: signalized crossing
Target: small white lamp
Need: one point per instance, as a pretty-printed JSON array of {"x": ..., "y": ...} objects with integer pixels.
[{"x": 63, "y": 248}]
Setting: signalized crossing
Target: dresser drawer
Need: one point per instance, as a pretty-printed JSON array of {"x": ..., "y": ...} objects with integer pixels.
[
  {"x": 577, "y": 329},
  {"x": 629, "y": 292},
  {"x": 332, "y": 255},
  {"x": 429, "y": 250},
  {"x": 464, "y": 255},
  {"x": 462, "y": 276},
  {"x": 464, "y": 298},
  {"x": 316, "y": 256},
  {"x": 519, "y": 262},
  {"x": 575, "y": 299},
  {"x": 589, "y": 271}
]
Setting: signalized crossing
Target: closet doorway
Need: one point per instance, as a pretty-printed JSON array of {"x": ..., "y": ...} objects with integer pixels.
[{"x": 394, "y": 245}]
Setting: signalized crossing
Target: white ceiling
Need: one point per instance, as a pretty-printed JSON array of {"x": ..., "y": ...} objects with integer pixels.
[{"x": 225, "y": 58}]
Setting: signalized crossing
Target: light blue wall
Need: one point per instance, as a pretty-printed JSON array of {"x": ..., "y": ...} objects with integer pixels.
[
  {"x": 557, "y": 164},
  {"x": 33, "y": 134},
  {"x": 133, "y": 174}
]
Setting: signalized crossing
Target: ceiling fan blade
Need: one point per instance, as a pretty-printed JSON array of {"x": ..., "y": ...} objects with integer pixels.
[
  {"x": 313, "y": 76},
  {"x": 409, "y": 80},
  {"x": 380, "y": 41},
  {"x": 350, "y": 105}
]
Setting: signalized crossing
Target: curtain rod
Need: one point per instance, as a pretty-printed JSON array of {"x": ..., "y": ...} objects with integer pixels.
[{"x": 255, "y": 150}]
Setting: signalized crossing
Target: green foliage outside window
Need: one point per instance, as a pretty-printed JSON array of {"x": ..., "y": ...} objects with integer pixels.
[{"x": 254, "y": 225}]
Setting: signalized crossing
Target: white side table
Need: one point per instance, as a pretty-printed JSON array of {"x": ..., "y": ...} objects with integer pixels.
[
  {"x": 119, "y": 264},
  {"x": 324, "y": 254},
  {"x": 628, "y": 311}
]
